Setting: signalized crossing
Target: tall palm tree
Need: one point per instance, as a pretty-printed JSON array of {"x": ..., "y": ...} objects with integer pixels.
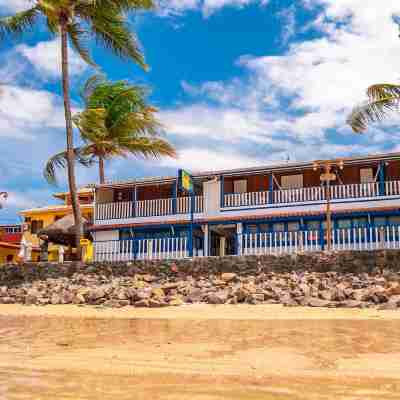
[
  {"x": 116, "y": 122},
  {"x": 383, "y": 99},
  {"x": 75, "y": 21}
]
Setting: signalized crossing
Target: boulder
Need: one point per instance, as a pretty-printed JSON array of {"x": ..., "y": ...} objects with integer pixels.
[
  {"x": 219, "y": 297},
  {"x": 142, "y": 303},
  {"x": 228, "y": 276}
]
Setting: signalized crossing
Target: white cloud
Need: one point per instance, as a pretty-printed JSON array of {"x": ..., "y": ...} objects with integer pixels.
[
  {"x": 14, "y": 5},
  {"x": 207, "y": 7},
  {"x": 45, "y": 57},
  {"x": 296, "y": 103}
]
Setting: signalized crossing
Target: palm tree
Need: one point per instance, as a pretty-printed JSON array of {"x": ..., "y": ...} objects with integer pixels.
[
  {"x": 383, "y": 99},
  {"x": 77, "y": 20},
  {"x": 116, "y": 122}
]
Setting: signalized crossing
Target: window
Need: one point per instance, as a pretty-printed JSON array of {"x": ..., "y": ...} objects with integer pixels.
[
  {"x": 379, "y": 221},
  {"x": 293, "y": 226},
  {"x": 312, "y": 225},
  {"x": 27, "y": 219},
  {"x": 344, "y": 223},
  {"x": 366, "y": 175},
  {"x": 292, "y": 181},
  {"x": 263, "y": 227},
  {"x": 252, "y": 228},
  {"x": 36, "y": 226},
  {"x": 360, "y": 222},
  {"x": 57, "y": 217},
  {"x": 394, "y": 220},
  {"x": 240, "y": 186},
  {"x": 278, "y": 227}
]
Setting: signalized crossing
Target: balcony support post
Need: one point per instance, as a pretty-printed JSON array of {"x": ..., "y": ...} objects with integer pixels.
[
  {"x": 134, "y": 201},
  {"x": 174, "y": 197},
  {"x": 239, "y": 238},
  {"x": 381, "y": 178},
  {"x": 221, "y": 180},
  {"x": 271, "y": 189}
]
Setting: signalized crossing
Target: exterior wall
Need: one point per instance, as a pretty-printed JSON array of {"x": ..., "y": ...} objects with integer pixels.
[
  {"x": 103, "y": 236},
  {"x": 104, "y": 195},
  {"x": 155, "y": 192},
  {"x": 392, "y": 171}
]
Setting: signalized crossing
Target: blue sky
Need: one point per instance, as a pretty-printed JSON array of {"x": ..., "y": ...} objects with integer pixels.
[{"x": 237, "y": 83}]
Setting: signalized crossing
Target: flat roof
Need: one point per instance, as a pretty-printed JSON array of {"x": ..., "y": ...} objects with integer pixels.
[
  {"x": 53, "y": 208},
  {"x": 63, "y": 195},
  {"x": 272, "y": 167}
]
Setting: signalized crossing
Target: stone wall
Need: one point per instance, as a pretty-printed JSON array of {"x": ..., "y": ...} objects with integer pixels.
[
  {"x": 346, "y": 279},
  {"x": 343, "y": 262}
]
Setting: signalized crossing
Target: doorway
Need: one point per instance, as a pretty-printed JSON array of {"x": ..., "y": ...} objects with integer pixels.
[{"x": 223, "y": 240}]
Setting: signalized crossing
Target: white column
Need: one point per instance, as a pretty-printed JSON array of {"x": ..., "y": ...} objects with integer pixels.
[
  {"x": 222, "y": 242},
  {"x": 206, "y": 239},
  {"x": 239, "y": 231}
]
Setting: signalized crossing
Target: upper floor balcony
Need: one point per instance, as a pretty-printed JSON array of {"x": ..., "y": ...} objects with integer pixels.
[{"x": 311, "y": 194}]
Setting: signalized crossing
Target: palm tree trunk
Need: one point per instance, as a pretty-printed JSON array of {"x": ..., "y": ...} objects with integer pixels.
[
  {"x": 70, "y": 147},
  {"x": 101, "y": 170}
]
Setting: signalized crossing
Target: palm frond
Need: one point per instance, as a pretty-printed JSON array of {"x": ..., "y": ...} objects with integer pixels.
[
  {"x": 77, "y": 36},
  {"x": 59, "y": 161},
  {"x": 371, "y": 112},
  {"x": 148, "y": 148},
  {"x": 383, "y": 91},
  {"x": 111, "y": 30},
  {"x": 126, "y": 5},
  {"x": 17, "y": 24}
]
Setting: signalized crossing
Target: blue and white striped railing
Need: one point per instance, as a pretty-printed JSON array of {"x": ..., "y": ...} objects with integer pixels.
[
  {"x": 314, "y": 193},
  {"x": 148, "y": 208},
  {"x": 141, "y": 249}
]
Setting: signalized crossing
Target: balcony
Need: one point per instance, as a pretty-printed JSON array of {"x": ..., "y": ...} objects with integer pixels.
[
  {"x": 148, "y": 208},
  {"x": 310, "y": 194}
]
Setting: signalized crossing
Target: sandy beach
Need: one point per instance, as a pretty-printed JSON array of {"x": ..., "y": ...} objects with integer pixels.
[
  {"x": 260, "y": 312},
  {"x": 200, "y": 352}
]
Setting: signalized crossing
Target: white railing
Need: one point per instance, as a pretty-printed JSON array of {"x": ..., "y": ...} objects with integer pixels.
[
  {"x": 314, "y": 193},
  {"x": 280, "y": 242},
  {"x": 354, "y": 191},
  {"x": 148, "y": 208},
  {"x": 154, "y": 208},
  {"x": 141, "y": 249},
  {"x": 366, "y": 238},
  {"x": 114, "y": 210},
  {"x": 392, "y": 188},
  {"x": 246, "y": 199}
]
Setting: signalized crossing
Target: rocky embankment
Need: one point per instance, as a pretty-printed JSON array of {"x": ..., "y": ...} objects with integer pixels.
[{"x": 315, "y": 289}]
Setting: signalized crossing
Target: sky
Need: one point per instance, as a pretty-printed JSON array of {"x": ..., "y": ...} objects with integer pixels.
[{"x": 238, "y": 83}]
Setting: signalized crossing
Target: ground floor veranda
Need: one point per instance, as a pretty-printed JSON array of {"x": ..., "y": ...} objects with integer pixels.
[{"x": 278, "y": 235}]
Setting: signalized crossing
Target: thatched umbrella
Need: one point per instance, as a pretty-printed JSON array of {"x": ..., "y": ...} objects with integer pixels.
[{"x": 63, "y": 231}]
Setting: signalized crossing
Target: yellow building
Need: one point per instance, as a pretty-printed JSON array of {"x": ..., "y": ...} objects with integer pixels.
[{"x": 36, "y": 219}]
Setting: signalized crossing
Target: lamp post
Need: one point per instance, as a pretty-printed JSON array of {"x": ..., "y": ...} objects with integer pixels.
[{"x": 327, "y": 176}]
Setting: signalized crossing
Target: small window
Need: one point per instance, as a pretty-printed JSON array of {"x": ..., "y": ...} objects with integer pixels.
[
  {"x": 344, "y": 223},
  {"x": 293, "y": 226},
  {"x": 360, "y": 222},
  {"x": 27, "y": 219},
  {"x": 366, "y": 175},
  {"x": 264, "y": 227},
  {"x": 36, "y": 226},
  {"x": 379, "y": 221},
  {"x": 394, "y": 220},
  {"x": 312, "y": 225},
  {"x": 292, "y": 181},
  {"x": 240, "y": 186},
  {"x": 252, "y": 228},
  {"x": 278, "y": 227}
]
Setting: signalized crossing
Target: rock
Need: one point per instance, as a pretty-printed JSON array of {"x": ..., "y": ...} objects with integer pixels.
[
  {"x": 153, "y": 303},
  {"x": 157, "y": 293},
  {"x": 195, "y": 295},
  {"x": 3, "y": 291},
  {"x": 388, "y": 306},
  {"x": 143, "y": 294},
  {"x": 175, "y": 302},
  {"x": 352, "y": 304},
  {"x": 94, "y": 294},
  {"x": 55, "y": 299},
  {"x": 395, "y": 300},
  {"x": 314, "y": 302},
  {"x": 241, "y": 294},
  {"x": 78, "y": 299},
  {"x": 219, "y": 297},
  {"x": 142, "y": 303},
  {"x": 168, "y": 286},
  {"x": 228, "y": 276},
  {"x": 7, "y": 300},
  {"x": 114, "y": 303}
]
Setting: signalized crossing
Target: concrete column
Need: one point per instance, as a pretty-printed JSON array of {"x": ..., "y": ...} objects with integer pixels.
[
  {"x": 239, "y": 238},
  {"x": 382, "y": 178},
  {"x": 206, "y": 240},
  {"x": 222, "y": 242}
]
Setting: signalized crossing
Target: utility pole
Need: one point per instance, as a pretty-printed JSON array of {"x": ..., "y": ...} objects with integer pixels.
[{"x": 327, "y": 176}]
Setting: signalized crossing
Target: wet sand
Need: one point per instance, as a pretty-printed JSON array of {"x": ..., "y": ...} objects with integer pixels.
[{"x": 198, "y": 352}]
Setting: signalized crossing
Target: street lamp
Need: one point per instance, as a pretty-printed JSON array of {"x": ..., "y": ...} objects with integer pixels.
[{"x": 327, "y": 176}]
